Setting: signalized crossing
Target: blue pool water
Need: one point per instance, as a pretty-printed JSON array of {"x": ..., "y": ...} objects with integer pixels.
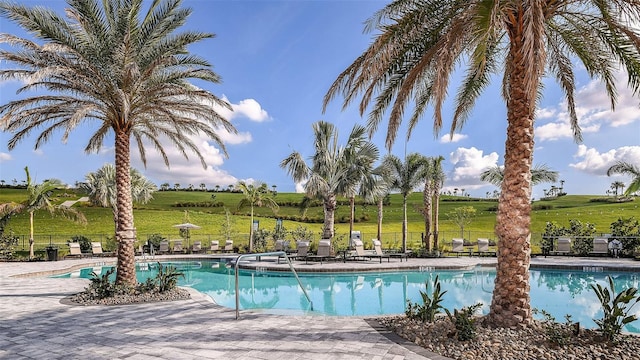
[{"x": 375, "y": 293}]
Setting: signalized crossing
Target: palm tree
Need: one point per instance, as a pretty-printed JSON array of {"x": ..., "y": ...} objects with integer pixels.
[
  {"x": 39, "y": 197},
  {"x": 101, "y": 187},
  {"x": 374, "y": 188},
  {"x": 255, "y": 196},
  {"x": 626, "y": 168},
  {"x": 539, "y": 174},
  {"x": 117, "y": 67},
  {"x": 332, "y": 172},
  {"x": 419, "y": 47},
  {"x": 437, "y": 178},
  {"x": 433, "y": 178},
  {"x": 615, "y": 186},
  {"x": 404, "y": 177}
]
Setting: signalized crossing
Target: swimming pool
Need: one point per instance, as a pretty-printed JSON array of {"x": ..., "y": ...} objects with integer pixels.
[{"x": 376, "y": 293}]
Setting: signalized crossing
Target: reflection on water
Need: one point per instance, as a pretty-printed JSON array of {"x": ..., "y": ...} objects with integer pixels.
[{"x": 361, "y": 294}]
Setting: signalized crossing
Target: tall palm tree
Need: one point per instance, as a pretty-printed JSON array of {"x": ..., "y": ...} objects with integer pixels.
[
  {"x": 404, "y": 177},
  {"x": 539, "y": 174},
  {"x": 419, "y": 47},
  {"x": 433, "y": 178},
  {"x": 39, "y": 198},
  {"x": 255, "y": 195},
  {"x": 374, "y": 188},
  {"x": 124, "y": 71},
  {"x": 333, "y": 170},
  {"x": 625, "y": 168},
  {"x": 437, "y": 178},
  {"x": 615, "y": 186},
  {"x": 101, "y": 187}
]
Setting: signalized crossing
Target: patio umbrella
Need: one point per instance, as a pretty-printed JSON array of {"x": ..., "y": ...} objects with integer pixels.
[{"x": 187, "y": 227}]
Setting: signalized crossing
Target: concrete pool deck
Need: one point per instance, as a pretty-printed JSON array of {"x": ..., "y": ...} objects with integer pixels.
[{"x": 35, "y": 325}]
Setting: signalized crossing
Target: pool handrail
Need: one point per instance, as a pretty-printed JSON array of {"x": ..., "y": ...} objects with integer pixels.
[{"x": 279, "y": 253}]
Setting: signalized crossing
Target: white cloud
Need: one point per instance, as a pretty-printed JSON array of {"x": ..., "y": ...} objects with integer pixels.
[
  {"x": 593, "y": 109},
  {"x": 248, "y": 108},
  {"x": 593, "y": 162},
  {"x": 468, "y": 164},
  {"x": 4, "y": 157},
  {"x": 452, "y": 139}
]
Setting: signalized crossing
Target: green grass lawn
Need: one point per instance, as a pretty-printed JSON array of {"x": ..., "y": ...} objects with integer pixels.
[{"x": 161, "y": 213}]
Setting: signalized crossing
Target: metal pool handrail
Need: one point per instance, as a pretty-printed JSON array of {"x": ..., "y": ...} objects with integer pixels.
[{"x": 279, "y": 253}]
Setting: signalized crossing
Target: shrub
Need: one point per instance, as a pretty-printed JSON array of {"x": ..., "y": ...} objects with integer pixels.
[
  {"x": 100, "y": 286},
  {"x": 167, "y": 277},
  {"x": 430, "y": 305},
  {"x": 8, "y": 242},
  {"x": 616, "y": 308},
  {"x": 558, "y": 334},
  {"x": 85, "y": 242},
  {"x": 464, "y": 322}
]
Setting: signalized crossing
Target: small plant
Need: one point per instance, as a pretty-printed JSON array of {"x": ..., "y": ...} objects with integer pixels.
[
  {"x": 430, "y": 305},
  {"x": 101, "y": 287},
  {"x": 464, "y": 322},
  {"x": 616, "y": 308},
  {"x": 167, "y": 277},
  {"x": 557, "y": 333}
]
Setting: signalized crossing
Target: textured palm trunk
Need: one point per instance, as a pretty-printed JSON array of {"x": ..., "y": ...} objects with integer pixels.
[
  {"x": 352, "y": 207},
  {"x": 125, "y": 231},
  {"x": 511, "y": 305},
  {"x": 436, "y": 214},
  {"x": 404, "y": 224},
  {"x": 251, "y": 231},
  {"x": 380, "y": 205},
  {"x": 329, "y": 216},
  {"x": 31, "y": 241},
  {"x": 426, "y": 198}
]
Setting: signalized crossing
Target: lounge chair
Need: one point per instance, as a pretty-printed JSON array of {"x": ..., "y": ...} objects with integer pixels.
[
  {"x": 457, "y": 246},
  {"x": 563, "y": 246},
  {"x": 177, "y": 247},
  {"x": 74, "y": 250},
  {"x": 483, "y": 248},
  {"x": 196, "y": 248},
  {"x": 282, "y": 245},
  {"x": 228, "y": 246},
  {"x": 96, "y": 249},
  {"x": 303, "y": 250},
  {"x": 359, "y": 252},
  {"x": 377, "y": 248},
  {"x": 324, "y": 251},
  {"x": 600, "y": 246},
  {"x": 215, "y": 246},
  {"x": 164, "y": 247}
]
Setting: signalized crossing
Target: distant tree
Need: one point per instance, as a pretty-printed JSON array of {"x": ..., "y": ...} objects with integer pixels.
[
  {"x": 217, "y": 188},
  {"x": 102, "y": 190},
  {"x": 617, "y": 185},
  {"x": 38, "y": 198},
  {"x": 462, "y": 216},
  {"x": 626, "y": 168},
  {"x": 164, "y": 186},
  {"x": 255, "y": 196},
  {"x": 203, "y": 186},
  {"x": 404, "y": 177},
  {"x": 331, "y": 172},
  {"x": 176, "y": 186},
  {"x": 539, "y": 174}
]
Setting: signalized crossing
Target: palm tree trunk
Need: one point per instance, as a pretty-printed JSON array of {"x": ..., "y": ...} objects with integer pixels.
[
  {"x": 380, "y": 205},
  {"x": 352, "y": 207},
  {"x": 31, "y": 241},
  {"x": 404, "y": 224},
  {"x": 436, "y": 214},
  {"x": 426, "y": 198},
  {"x": 251, "y": 231},
  {"x": 125, "y": 231},
  {"x": 329, "y": 216},
  {"x": 511, "y": 303}
]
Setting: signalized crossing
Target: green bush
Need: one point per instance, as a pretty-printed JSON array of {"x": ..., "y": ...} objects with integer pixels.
[
  {"x": 558, "y": 334},
  {"x": 430, "y": 306},
  {"x": 616, "y": 308},
  {"x": 464, "y": 322},
  {"x": 85, "y": 242},
  {"x": 8, "y": 242},
  {"x": 167, "y": 278}
]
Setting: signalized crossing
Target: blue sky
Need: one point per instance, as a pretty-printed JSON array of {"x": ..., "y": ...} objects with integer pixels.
[{"x": 278, "y": 58}]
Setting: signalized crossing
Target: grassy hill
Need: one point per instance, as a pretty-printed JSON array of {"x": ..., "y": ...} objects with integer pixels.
[{"x": 168, "y": 208}]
